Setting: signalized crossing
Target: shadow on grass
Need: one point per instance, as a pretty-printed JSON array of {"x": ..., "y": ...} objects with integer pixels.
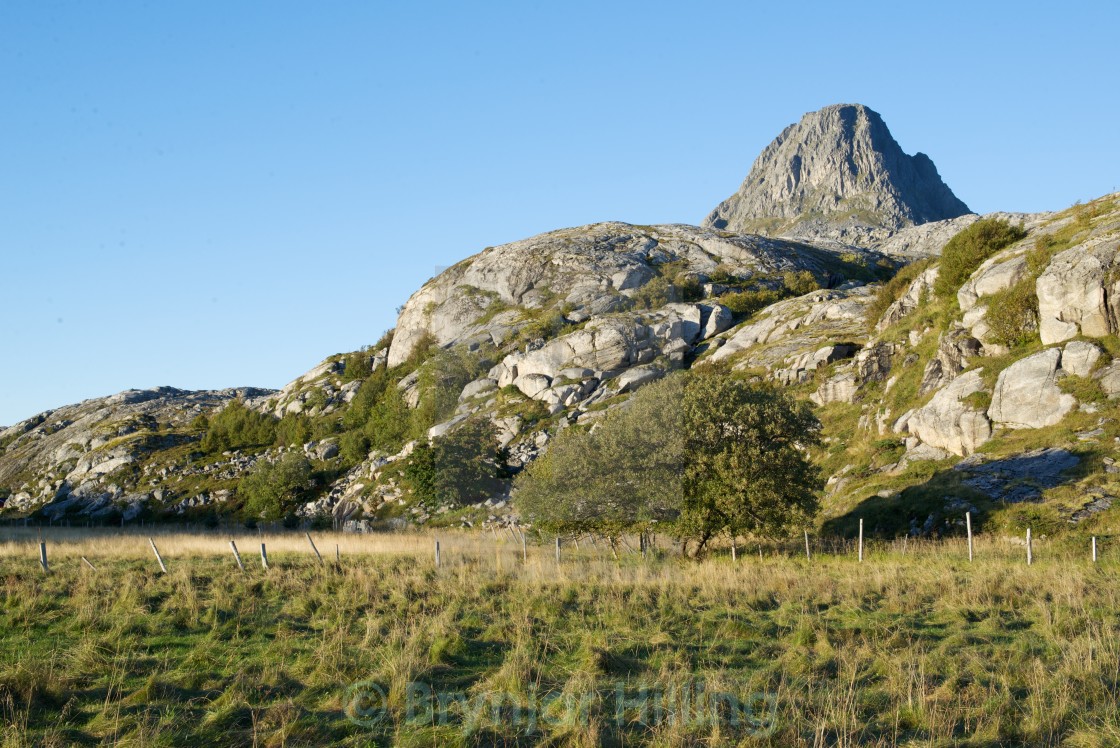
[{"x": 936, "y": 507}]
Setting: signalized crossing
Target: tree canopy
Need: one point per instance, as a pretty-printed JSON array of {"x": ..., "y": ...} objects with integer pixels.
[{"x": 697, "y": 454}]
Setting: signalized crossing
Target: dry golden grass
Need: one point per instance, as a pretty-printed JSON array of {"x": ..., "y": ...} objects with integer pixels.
[{"x": 913, "y": 647}]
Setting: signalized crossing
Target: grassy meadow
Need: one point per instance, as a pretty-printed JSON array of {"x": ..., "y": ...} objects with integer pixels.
[{"x": 913, "y": 647}]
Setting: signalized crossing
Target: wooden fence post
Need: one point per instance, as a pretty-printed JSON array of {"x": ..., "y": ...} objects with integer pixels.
[
  {"x": 158, "y": 557},
  {"x": 337, "y": 555},
  {"x": 312, "y": 542},
  {"x": 236, "y": 555},
  {"x": 43, "y": 557},
  {"x": 558, "y": 549},
  {"x": 264, "y": 557},
  {"x": 734, "y": 550},
  {"x": 808, "y": 557},
  {"x": 861, "y": 540},
  {"x": 437, "y": 554},
  {"x": 968, "y": 526},
  {"x": 524, "y": 547},
  {"x": 1094, "y": 549},
  {"x": 1030, "y": 553}
]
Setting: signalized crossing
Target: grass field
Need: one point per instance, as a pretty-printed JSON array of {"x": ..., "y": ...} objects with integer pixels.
[{"x": 914, "y": 648}]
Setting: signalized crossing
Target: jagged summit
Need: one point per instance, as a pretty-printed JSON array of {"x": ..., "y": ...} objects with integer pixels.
[{"x": 837, "y": 167}]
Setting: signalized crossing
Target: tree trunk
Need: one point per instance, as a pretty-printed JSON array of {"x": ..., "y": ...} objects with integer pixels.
[{"x": 703, "y": 542}]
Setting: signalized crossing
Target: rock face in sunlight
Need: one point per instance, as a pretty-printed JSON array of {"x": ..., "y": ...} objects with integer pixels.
[{"x": 837, "y": 174}]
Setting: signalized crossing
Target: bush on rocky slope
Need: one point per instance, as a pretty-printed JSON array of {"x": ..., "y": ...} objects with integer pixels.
[{"x": 965, "y": 251}]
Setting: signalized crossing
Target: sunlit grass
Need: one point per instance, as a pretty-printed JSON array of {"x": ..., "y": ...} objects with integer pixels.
[{"x": 916, "y": 646}]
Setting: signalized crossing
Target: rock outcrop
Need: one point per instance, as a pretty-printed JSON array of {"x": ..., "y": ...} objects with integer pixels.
[
  {"x": 575, "y": 274},
  {"x": 837, "y": 169},
  {"x": 948, "y": 422},
  {"x": 1079, "y": 292},
  {"x": 1027, "y": 393}
]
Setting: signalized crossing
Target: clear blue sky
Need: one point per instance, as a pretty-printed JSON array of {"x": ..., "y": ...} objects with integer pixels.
[{"x": 212, "y": 194}]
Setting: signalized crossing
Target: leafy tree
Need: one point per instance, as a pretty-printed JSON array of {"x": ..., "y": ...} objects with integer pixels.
[
  {"x": 701, "y": 454},
  {"x": 623, "y": 475},
  {"x": 457, "y": 467},
  {"x": 293, "y": 428},
  {"x": 965, "y": 252},
  {"x": 746, "y": 465},
  {"x": 272, "y": 490},
  {"x": 237, "y": 427},
  {"x": 390, "y": 421}
]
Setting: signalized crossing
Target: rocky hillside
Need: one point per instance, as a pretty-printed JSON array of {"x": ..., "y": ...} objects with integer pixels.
[
  {"x": 837, "y": 174},
  {"x": 965, "y": 363}
]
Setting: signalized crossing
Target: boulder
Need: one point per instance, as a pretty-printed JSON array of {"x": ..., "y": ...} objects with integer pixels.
[
  {"x": 1027, "y": 394},
  {"x": 718, "y": 318},
  {"x": 948, "y": 423},
  {"x": 993, "y": 276},
  {"x": 1079, "y": 357},
  {"x": 532, "y": 384},
  {"x": 802, "y": 367},
  {"x": 1076, "y": 294},
  {"x": 841, "y": 388},
  {"x": 1109, "y": 379},
  {"x": 478, "y": 387},
  {"x": 953, "y": 351},
  {"x": 873, "y": 363},
  {"x": 632, "y": 379}
]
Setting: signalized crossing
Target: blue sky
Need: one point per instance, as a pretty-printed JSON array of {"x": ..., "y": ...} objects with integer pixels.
[{"x": 216, "y": 194}]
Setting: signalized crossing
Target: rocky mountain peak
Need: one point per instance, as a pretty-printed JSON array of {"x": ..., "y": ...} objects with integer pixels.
[{"x": 839, "y": 165}]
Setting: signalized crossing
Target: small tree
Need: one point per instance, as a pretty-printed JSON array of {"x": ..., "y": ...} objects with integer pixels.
[
  {"x": 236, "y": 427},
  {"x": 747, "y": 469},
  {"x": 701, "y": 454},
  {"x": 624, "y": 475},
  {"x": 272, "y": 490},
  {"x": 457, "y": 467}
]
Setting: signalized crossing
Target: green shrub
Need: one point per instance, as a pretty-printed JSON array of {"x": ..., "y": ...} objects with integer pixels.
[
  {"x": 441, "y": 382},
  {"x": 365, "y": 398},
  {"x": 358, "y": 365},
  {"x": 969, "y": 248},
  {"x": 237, "y": 427},
  {"x": 293, "y": 428},
  {"x": 655, "y": 294},
  {"x": 272, "y": 490},
  {"x": 353, "y": 446},
  {"x": 800, "y": 282},
  {"x": 1013, "y": 314},
  {"x": 723, "y": 277},
  {"x": 390, "y": 422},
  {"x": 744, "y": 304},
  {"x": 1085, "y": 389},
  {"x": 893, "y": 289}
]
